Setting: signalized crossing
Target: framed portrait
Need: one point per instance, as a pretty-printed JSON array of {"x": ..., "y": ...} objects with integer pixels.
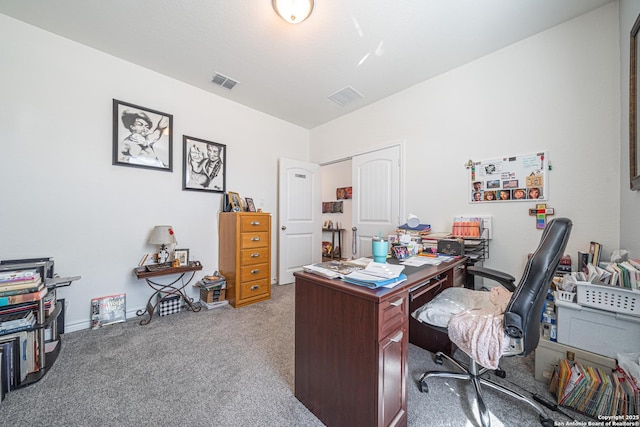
[
  {"x": 204, "y": 164},
  {"x": 326, "y": 207},
  {"x": 142, "y": 137},
  {"x": 181, "y": 255},
  {"x": 250, "y": 206},
  {"x": 235, "y": 201},
  {"x": 634, "y": 111}
]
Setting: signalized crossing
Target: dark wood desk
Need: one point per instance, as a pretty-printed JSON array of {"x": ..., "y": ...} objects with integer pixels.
[
  {"x": 166, "y": 289},
  {"x": 352, "y": 343}
]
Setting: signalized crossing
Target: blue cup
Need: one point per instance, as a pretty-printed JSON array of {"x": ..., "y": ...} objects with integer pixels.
[{"x": 379, "y": 249}]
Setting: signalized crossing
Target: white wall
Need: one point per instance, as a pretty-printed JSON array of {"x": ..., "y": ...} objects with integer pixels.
[
  {"x": 558, "y": 91},
  {"x": 629, "y": 200},
  {"x": 62, "y": 197}
]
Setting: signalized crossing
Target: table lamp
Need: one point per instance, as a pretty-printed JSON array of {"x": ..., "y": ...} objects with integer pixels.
[{"x": 162, "y": 235}]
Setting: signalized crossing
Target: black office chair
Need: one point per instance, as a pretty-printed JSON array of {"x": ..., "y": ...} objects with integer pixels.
[{"x": 521, "y": 317}]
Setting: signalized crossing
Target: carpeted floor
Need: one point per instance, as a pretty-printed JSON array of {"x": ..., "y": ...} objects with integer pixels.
[{"x": 223, "y": 367}]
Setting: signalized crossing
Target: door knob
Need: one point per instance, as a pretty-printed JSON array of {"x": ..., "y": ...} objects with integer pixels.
[{"x": 284, "y": 227}]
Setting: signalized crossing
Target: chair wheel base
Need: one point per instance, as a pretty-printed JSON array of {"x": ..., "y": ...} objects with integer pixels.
[
  {"x": 424, "y": 388},
  {"x": 438, "y": 359},
  {"x": 500, "y": 373}
]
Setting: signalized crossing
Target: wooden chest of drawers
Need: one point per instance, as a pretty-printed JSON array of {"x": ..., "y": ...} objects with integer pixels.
[{"x": 245, "y": 256}]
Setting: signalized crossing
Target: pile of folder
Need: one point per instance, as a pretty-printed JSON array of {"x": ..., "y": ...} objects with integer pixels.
[
  {"x": 376, "y": 275},
  {"x": 594, "y": 391}
]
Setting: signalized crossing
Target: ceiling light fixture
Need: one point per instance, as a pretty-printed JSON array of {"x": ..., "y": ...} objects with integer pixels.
[{"x": 293, "y": 11}]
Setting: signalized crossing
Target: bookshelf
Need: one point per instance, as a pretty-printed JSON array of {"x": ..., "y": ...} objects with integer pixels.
[
  {"x": 29, "y": 331},
  {"x": 336, "y": 251}
]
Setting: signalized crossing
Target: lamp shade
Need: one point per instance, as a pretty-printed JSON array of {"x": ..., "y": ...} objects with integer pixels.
[
  {"x": 293, "y": 11},
  {"x": 162, "y": 235}
]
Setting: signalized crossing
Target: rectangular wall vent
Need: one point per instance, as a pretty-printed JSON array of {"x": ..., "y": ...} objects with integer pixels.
[
  {"x": 224, "y": 81},
  {"x": 345, "y": 96}
]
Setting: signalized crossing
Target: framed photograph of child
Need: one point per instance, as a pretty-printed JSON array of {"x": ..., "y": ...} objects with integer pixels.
[{"x": 250, "y": 206}]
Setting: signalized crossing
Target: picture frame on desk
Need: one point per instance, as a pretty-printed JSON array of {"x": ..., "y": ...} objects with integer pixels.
[
  {"x": 142, "y": 137},
  {"x": 182, "y": 256},
  {"x": 235, "y": 201},
  {"x": 250, "y": 206},
  {"x": 204, "y": 165}
]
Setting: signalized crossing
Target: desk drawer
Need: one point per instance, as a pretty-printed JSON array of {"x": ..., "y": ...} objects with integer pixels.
[
  {"x": 460, "y": 276},
  {"x": 254, "y": 272},
  {"x": 251, "y": 223},
  {"x": 254, "y": 256},
  {"x": 393, "y": 313},
  {"x": 254, "y": 289},
  {"x": 254, "y": 240}
]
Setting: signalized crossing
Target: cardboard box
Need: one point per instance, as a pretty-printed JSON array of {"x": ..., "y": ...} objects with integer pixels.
[
  {"x": 598, "y": 331},
  {"x": 548, "y": 353},
  {"x": 211, "y": 295}
]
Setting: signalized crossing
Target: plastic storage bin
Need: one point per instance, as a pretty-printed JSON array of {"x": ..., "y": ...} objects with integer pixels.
[
  {"x": 611, "y": 298},
  {"x": 598, "y": 331},
  {"x": 548, "y": 354}
]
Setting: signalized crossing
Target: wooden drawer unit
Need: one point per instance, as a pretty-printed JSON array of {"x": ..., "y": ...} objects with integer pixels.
[{"x": 245, "y": 256}]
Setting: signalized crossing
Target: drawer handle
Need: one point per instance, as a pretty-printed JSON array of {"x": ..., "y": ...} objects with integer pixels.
[
  {"x": 398, "y": 302},
  {"x": 255, "y": 287},
  {"x": 397, "y": 337},
  {"x": 256, "y": 271},
  {"x": 255, "y": 222},
  {"x": 255, "y": 255},
  {"x": 255, "y": 239}
]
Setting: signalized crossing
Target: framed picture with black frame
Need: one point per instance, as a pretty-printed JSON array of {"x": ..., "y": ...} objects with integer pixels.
[
  {"x": 250, "y": 206},
  {"x": 204, "y": 165},
  {"x": 142, "y": 137}
]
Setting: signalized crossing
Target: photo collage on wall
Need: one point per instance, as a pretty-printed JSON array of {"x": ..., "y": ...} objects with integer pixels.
[{"x": 518, "y": 178}]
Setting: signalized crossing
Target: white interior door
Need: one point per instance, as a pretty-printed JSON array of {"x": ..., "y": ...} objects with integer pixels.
[
  {"x": 300, "y": 210},
  {"x": 376, "y": 197}
]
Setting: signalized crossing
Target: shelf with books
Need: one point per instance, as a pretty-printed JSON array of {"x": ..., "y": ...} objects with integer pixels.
[{"x": 29, "y": 334}]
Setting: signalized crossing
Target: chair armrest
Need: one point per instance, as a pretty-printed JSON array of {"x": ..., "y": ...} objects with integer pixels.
[{"x": 504, "y": 279}]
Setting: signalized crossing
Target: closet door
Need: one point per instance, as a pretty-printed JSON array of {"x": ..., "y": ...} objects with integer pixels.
[
  {"x": 376, "y": 196},
  {"x": 299, "y": 217}
]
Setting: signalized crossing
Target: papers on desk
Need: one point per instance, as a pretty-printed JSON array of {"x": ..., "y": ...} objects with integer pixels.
[
  {"x": 376, "y": 275},
  {"x": 330, "y": 269},
  {"x": 419, "y": 261}
]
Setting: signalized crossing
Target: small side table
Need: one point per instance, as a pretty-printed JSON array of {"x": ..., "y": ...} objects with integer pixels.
[{"x": 167, "y": 289}]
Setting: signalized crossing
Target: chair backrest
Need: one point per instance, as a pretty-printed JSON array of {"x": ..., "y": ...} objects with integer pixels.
[{"x": 522, "y": 316}]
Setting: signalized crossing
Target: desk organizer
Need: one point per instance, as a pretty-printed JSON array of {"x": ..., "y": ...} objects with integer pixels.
[{"x": 610, "y": 298}]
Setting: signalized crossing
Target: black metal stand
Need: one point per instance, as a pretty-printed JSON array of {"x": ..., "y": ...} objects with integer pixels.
[{"x": 166, "y": 289}]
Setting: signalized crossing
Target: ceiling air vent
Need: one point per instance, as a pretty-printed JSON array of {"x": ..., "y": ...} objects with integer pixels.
[
  {"x": 224, "y": 81},
  {"x": 345, "y": 96}
]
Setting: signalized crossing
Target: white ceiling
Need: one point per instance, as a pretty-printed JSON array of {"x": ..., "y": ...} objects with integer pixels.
[{"x": 377, "y": 47}]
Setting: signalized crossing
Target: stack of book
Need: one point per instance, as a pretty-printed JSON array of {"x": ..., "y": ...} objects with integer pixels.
[
  {"x": 21, "y": 293},
  {"x": 15, "y": 322},
  {"x": 17, "y": 287},
  {"x": 564, "y": 267},
  {"x": 212, "y": 291},
  {"x": 594, "y": 391}
]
